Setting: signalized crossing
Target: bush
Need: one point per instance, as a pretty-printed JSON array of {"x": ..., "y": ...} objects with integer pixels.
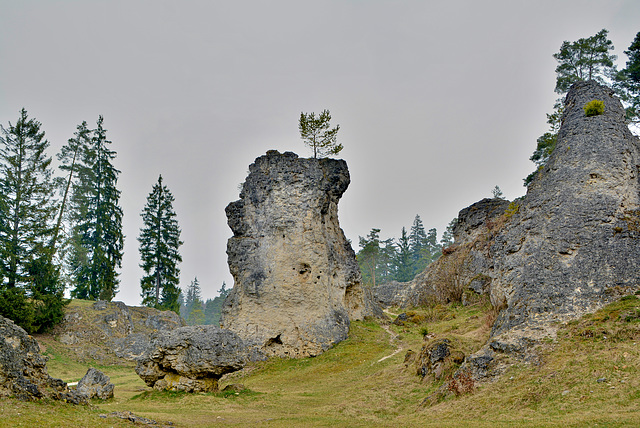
[
  {"x": 15, "y": 305},
  {"x": 593, "y": 108}
]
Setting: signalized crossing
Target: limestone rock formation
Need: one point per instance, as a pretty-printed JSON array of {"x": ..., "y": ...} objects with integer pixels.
[
  {"x": 111, "y": 332},
  {"x": 297, "y": 282},
  {"x": 191, "y": 358},
  {"x": 23, "y": 371},
  {"x": 95, "y": 384},
  {"x": 572, "y": 246},
  {"x": 567, "y": 248}
]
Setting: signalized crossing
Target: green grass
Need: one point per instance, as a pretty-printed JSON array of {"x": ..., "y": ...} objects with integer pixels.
[{"x": 350, "y": 386}]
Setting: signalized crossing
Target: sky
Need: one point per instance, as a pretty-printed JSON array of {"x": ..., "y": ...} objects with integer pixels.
[{"x": 438, "y": 102}]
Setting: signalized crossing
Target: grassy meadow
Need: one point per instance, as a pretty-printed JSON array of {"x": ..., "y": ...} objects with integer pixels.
[{"x": 589, "y": 376}]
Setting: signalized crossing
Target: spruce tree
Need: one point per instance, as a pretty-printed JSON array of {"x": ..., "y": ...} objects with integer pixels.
[
  {"x": 159, "y": 244},
  {"x": 368, "y": 256},
  {"x": 97, "y": 240},
  {"x": 28, "y": 194},
  {"x": 31, "y": 293},
  {"x": 418, "y": 244},
  {"x": 404, "y": 262}
]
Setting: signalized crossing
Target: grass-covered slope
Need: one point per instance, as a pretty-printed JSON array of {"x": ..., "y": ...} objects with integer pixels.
[{"x": 589, "y": 376}]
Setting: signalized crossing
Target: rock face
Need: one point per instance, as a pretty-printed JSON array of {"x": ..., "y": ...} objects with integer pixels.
[
  {"x": 23, "y": 371},
  {"x": 567, "y": 248},
  {"x": 95, "y": 384},
  {"x": 191, "y": 358},
  {"x": 297, "y": 282},
  {"x": 112, "y": 332},
  {"x": 573, "y": 244}
]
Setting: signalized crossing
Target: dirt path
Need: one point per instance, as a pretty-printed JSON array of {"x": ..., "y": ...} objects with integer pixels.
[{"x": 392, "y": 339}]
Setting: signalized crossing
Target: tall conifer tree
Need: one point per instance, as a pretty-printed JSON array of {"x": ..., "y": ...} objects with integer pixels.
[
  {"x": 27, "y": 210},
  {"x": 97, "y": 240},
  {"x": 159, "y": 244}
]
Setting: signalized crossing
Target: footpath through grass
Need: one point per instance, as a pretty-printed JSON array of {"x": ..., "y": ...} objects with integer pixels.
[{"x": 588, "y": 377}]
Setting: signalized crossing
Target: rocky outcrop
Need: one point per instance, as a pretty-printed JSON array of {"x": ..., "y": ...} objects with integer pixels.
[
  {"x": 572, "y": 246},
  {"x": 23, "y": 371},
  {"x": 111, "y": 332},
  {"x": 95, "y": 384},
  {"x": 567, "y": 248},
  {"x": 191, "y": 359},
  {"x": 464, "y": 272},
  {"x": 297, "y": 282}
]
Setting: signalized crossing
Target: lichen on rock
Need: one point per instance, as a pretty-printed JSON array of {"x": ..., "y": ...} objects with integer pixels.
[{"x": 297, "y": 281}]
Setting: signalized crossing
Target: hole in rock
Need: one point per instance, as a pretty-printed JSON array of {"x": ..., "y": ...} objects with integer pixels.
[{"x": 274, "y": 341}]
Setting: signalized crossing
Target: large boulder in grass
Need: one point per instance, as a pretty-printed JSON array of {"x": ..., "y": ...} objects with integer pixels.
[
  {"x": 23, "y": 370},
  {"x": 191, "y": 358}
]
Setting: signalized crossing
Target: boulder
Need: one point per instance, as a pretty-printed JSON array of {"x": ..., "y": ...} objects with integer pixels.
[
  {"x": 23, "y": 371},
  {"x": 297, "y": 282},
  {"x": 191, "y": 358},
  {"x": 95, "y": 384}
]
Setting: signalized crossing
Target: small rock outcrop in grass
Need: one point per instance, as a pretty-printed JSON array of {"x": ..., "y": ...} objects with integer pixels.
[
  {"x": 191, "y": 359},
  {"x": 95, "y": 384}
]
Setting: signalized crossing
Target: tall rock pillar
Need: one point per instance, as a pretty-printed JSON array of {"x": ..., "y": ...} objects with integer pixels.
[{"x": 297, "y": 282}]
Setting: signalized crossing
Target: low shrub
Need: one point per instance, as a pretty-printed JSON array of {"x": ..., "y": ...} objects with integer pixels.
[{"x": 593, "y": 108}]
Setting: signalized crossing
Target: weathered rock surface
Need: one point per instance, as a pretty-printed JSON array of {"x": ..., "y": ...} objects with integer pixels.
[
  {"x": 572, "y": 246},
  {"x": 23, "y": 371},
  {"x": 111, "y": 332},
  {"x": 567, "y": 248},
  {"x": 191, "y": 358},
  {"x": 297, "y": 282},
  {"x": 95, "y": 384}
]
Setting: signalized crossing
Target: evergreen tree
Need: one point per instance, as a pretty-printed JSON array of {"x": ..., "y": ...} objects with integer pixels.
[
  {"x": 193, "y": 306},
  {"x": 447, "y": 236},
  {"x": 27, "y": 191},
  {"x": 97, "y": 240},
  {"x": 418, "y": 245},
  {"x": 585, "y": 59},
  {"x": 404, "y": 262},
  {"x": 31, "y": 293},
  {"x": 368, "y": 256},
  {"x": 191, "y": 294},
  {"x": 159, "y": 244},
  {"x": 386, "y": 268},
  {"x": 315, "y": 132},
  {"x": 196, "y": 314},
  {"x": 434, "y": 250},
  {"x": 213, "y": 307},
  {"x": 628, "y": 81}
]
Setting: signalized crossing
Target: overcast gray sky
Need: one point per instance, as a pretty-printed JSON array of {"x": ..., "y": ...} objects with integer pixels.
[{"x": 438, "y": 101}]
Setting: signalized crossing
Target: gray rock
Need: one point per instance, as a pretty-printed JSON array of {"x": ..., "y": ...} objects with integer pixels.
[
  {"x": 297, "y": 281},
  {"x": 95, "y": 384},
  {"x": 23, "y": 371},
  {"x": 576, "y": 233},
  {"x": 191, "y": 358},
  {"x": 112, "y": 332}
]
